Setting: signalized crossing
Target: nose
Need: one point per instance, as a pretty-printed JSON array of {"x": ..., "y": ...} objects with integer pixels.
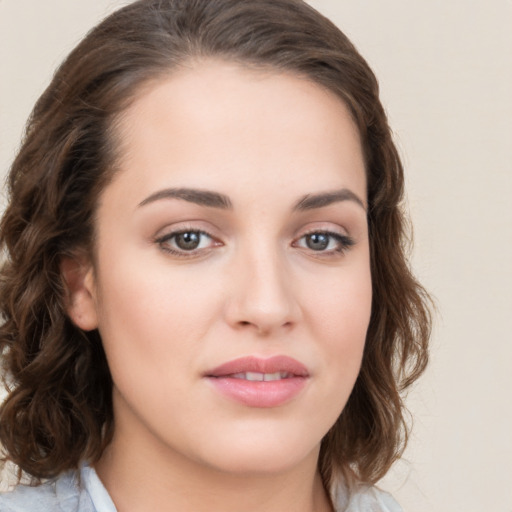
[{"x": 262, "y": 296}]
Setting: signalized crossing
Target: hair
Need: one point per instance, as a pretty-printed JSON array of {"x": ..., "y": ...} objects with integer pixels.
[{"x": 58, "y": 411}]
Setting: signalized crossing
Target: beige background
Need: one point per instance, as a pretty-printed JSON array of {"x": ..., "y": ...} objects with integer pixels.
[{"x": 446, "y": 76}]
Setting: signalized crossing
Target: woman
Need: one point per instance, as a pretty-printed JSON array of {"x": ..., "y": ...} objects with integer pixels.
[{"x": 205, "y": 297}]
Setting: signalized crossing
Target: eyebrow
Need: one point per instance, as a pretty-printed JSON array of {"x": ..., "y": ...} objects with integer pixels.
[
  {"x": 192, "y": 195},
  {"x": 217, "y": 200},
  {"x": 322, "y": 199}
]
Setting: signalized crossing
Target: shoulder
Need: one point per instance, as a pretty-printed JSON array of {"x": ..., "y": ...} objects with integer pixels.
[
  {"x": 60, "y": 495},
  {"x": 365, "y": 498}
]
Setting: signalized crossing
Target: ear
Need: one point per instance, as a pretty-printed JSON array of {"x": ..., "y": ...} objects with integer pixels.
[{"x": 80, "y": 302}]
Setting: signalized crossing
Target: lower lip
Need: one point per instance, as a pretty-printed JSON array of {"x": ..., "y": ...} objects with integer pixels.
[{"x": 257, "y": 393}]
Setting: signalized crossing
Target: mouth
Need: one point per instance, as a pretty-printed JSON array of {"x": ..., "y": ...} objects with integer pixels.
[
  {"x": 258, "y": 369},
  {"x": 261, "y": 377},
  {"x": 260, "y": 383}
]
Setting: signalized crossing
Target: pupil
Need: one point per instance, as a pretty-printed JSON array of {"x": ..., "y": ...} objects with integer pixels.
[
  {"x": 317, "y": 241},
  {"x": 188, "y": 240}
]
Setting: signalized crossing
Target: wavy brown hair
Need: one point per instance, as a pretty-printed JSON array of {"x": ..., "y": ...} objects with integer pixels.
[{"x": 58, "y": 411}]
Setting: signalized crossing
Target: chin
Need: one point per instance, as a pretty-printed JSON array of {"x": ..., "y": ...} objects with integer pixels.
[{"x": 263, "y": 452}]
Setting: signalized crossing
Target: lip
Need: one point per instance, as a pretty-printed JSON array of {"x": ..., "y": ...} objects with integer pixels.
[{"x": 261, "y": 394}]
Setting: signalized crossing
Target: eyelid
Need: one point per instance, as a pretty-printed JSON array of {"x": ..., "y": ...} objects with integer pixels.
[
  {"x": 345, "y": 241},
  {"x": 171, "y": 233}
]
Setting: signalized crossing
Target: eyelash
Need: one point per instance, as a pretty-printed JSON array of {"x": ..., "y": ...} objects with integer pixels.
[
  {"x": 163, "y": 242},
  {"x": 344, "y": 243}
]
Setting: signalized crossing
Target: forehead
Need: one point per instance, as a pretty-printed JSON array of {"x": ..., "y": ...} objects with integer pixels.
[{"x": 212, "y": 119}]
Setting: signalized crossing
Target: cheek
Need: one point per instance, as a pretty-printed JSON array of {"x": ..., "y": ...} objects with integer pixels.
[
  {"x": 340, "y": 318},
  {"x": 340, "y": 305},
  {"x": 147, "y": 321}
]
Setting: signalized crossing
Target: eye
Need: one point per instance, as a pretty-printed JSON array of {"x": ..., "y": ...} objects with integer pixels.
[
  {"x": 325, "y": 242},
  {"x": 185, "y": 241}
]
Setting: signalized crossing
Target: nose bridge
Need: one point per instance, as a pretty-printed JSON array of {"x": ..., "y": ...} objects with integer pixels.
[{"x": 263, "y": 297}]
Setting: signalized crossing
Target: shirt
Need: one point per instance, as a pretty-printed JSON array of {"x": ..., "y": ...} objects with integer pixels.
[{"x": 83, "y": 492}]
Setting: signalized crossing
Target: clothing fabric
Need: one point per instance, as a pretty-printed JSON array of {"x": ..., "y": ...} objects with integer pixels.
[{"x": 83, "y": 492}]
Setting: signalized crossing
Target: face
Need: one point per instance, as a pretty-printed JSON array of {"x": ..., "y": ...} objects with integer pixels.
[{"x": 231, "y": 284}]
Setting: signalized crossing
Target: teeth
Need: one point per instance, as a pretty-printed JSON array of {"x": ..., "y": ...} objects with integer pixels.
[
  {"x": 255, "y": 376},
  {"x": 260, "y": 377},
  {"x": 275, "y": 376}
]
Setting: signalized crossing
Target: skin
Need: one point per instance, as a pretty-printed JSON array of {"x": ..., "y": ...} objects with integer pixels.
[{"x": 253, "y": 287}]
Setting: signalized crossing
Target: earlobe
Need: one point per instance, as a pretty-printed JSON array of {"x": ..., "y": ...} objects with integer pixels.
[{"x": 80, "y": 301}]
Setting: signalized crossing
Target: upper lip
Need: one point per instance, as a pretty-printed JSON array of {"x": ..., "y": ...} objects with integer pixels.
[{"x": 259, "y": 365}]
